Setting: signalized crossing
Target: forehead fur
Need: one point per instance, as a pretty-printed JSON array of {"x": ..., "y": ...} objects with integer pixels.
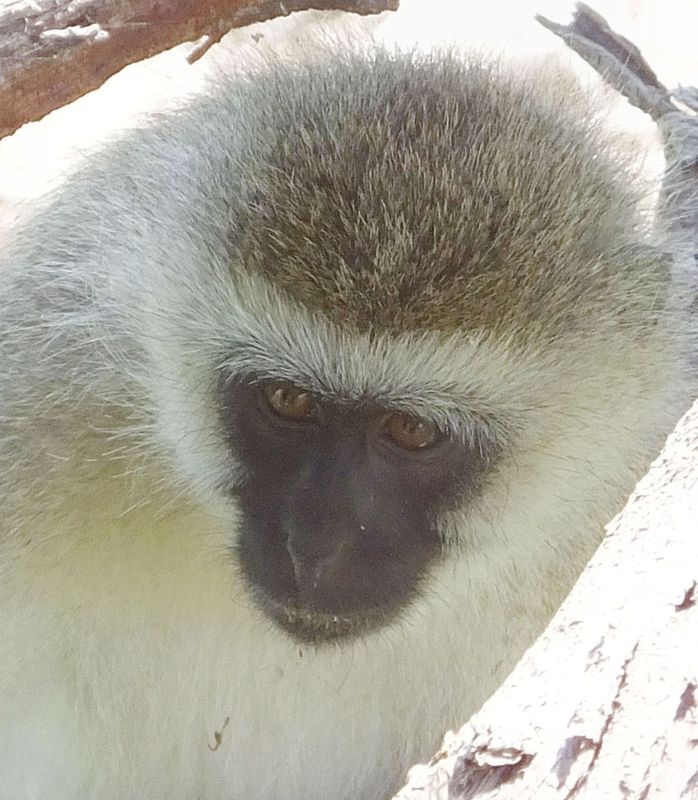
[{"x": 402, "y": 193}]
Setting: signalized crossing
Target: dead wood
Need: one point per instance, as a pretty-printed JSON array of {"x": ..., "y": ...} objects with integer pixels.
[{"x": 54, "y": 51}]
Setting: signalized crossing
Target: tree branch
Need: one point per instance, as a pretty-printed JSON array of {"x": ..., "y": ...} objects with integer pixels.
[
  {"x": 621, "y": 64},
  {"x": 52, "y": 52}
]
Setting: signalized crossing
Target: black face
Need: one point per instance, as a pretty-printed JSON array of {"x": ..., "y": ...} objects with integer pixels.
[{"x": 339, "y": 503}]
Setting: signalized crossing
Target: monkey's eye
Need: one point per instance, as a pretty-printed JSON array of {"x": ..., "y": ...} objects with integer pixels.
[
  {"x": 291, "y": 402},
  {"x": 410, "y": 433}
]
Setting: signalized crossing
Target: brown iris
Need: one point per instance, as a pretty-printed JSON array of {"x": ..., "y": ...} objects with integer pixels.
[
  {"x": 409, "y": 433},
  {"x": 291, "y": 402}
]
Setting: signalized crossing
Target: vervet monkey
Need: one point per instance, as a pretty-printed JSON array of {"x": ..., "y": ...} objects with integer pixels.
[{"x": 315, "y": 397}]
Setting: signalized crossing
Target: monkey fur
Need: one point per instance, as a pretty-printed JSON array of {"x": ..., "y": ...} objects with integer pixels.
[{"x": 432, "y": 234}]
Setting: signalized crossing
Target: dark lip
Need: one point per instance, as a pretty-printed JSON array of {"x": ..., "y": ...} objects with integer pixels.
[{"x": 313, "y": 626}]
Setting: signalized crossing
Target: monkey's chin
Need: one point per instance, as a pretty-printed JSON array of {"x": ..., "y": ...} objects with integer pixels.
[{"x": 312, "y": 626}]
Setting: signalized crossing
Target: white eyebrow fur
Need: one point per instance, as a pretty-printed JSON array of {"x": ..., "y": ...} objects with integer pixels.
[{"x": 450, "y": 380}]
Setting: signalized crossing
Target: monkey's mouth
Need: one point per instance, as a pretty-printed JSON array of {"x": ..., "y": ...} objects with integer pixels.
[{"x": 314, "y": 626}]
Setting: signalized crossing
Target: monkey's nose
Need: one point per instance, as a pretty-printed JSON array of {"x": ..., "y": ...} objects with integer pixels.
[{"x": 313, "y": 572}]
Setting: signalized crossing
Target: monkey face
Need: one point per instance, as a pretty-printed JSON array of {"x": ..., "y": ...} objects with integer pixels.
[
  {"x": 340, "y": 503},
  {"x": 386, "y": 257}
]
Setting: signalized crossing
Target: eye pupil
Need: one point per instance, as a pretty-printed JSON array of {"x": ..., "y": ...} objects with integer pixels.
[
  {"x": 290, "y": 402},
  {"x": 409, "y": 433}
]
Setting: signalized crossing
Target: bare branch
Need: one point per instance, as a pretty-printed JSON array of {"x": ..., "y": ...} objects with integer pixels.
[
  {"x": 614, "y": 57},
  {"x": 622, "y": 65},
  {"x": 52, "y": 52}
]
